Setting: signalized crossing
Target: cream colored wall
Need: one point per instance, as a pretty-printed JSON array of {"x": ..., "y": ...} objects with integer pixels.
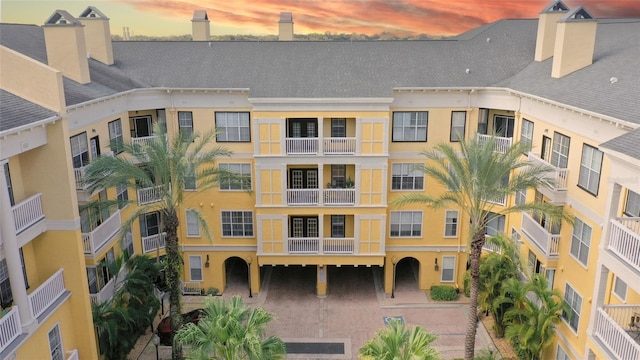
[
  {"x": 67, "y": 52},
  {"x": 97, "y": 36},
  {"x": 574, "y": 46}
]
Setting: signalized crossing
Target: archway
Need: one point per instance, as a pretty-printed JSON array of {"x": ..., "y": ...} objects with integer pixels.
[
  {"x": 407, "y": 275},
  {"x": 237, "y": 276}
]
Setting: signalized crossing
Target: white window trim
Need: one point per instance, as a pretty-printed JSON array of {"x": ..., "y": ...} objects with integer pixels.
[
  {"x": 199, "y": 257},
  {"x": 420, "y": 174},
  {"x": 453, "y": 128},
  {"x": 571, "y": 309},
  {"x": 242, "y": 164},
  {"x": 587, "y": 167},
  {"x": 626, "y": 289},
  {"x": 566, "y": 354},
  {"x": 416, "y": 127},
  {"x": 195, "y": 181},
  {"x": 576, "y": 258},
  {"x": 253, "y": 225},
  {"x": 56, "y": 325},
  {"x": 457, "y": 225},
  {"x": 115, "y": 136},
  {"x": 410, "y": 236},
  {"x": 190, "y": 232},
  {"x": 226, "y": 133},
  {"x": 453, "y": 274}
]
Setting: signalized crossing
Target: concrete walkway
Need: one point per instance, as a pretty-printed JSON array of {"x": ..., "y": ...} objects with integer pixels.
[{"x": 354, "y": 309}]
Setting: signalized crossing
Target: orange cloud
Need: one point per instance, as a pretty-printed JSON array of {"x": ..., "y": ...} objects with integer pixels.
[{"x": 435, "y": 17}]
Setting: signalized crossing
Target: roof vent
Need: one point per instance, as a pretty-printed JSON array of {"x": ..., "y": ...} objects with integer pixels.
[
  {"x": 555, "y": 6},
  {"x": 613, "y": 80}
]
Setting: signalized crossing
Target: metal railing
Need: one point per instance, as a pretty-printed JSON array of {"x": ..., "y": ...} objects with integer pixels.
[
  {"x": 302, "y": 196},
  {"x": 303, "y": 245},
  {"x": 546, "y": 241},
  {"x": 624, "y": 241},
  {"x": 321, "y": 246},
  {"x": 96, "y": 239},
  {"x": 501, "y": 143},
  {"x": 611, "y": 324},
  {"x": 302, "y": 146},
  {"x": 10, "y": 328},
  {"x": 557, "y": 176},
  {"x": 154, "y": 242},
  {"x": 338, "y": 245},
  {"x": 149, "y": 195},
  {"x": 339, "y": 196},
  {"x": 143, "y": 140},
  {"x": 28, "y": 212},
  {"x": 46, "y": 294},
  {"x": 79, "y": 175},
  {"x": 191, "y": 287},
  {"x": 339, "y": 145}
]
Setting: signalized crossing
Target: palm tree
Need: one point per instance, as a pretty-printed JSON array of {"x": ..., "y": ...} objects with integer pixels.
[
  {"x": 475, "y": 176},
  {"x": 165, "y": 168},
  {"x": 397, "y": 342},
  {"x": 533, "y": 325},
  {"x": 229, "y": 330}
]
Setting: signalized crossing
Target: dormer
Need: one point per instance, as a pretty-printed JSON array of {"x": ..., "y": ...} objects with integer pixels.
[
  {"x": 200, "y": 26},
  {"x": 66, "y": 49},
  {"x": 97, "y": 35},
  {"x": 575, "y": 42},
  {"x": 547, "y": 24}
]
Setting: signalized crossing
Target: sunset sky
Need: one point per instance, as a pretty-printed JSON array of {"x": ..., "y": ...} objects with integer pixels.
[{"x": 260, "y": 17}]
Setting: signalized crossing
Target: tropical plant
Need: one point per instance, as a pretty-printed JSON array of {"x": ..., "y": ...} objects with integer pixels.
[
  {"x": 533, "y": 325},
  {"x": 398, "y": 342},
  {"x": 229, "y": 330},
  {"x": 163, "y": 168},
  {"x": 475, "y": 175}
]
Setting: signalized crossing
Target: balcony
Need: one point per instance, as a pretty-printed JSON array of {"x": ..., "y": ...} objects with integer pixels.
[
  {"x": 339, "y": 146},
  {"x": 491, "y": 247},
  {"x": 73, "y": 354},
  {"x": 105, "y": 294},
  {"x": 624, "y": 240},
  {"x": 545, "y": 241},
  {"x": 154, "y": 242},
  {"x": 27, "y": 212},
  {"x": 149, "y": 195},
  {"x": 557, "y": 177},
  {"x": 501, "y": 143},
  {"x": 46, "y": 294},
  {"x": 330, "y": 146},
  {"x": 302, "y": 146},
  {"x": 10, "y": 328},
  {"x": 302, "y": 196},
  {"x": 95, "y": 240},
  {"x": 191, "y": 287},
  {"x": 79, "y": 175},
  {"x": 317, "y": 246},
  {"x": 613, "y": 329},
  {"x": 339, "y": 196},
  {"x": 143, "y": 140}
]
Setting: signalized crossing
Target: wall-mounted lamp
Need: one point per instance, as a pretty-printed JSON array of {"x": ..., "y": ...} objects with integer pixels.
[
  {"x": 93, "y": 131},
  {"x": 436, "y": 267},
  {"x": 206, "y": 264}
]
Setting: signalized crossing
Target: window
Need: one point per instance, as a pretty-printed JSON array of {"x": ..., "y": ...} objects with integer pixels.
[
  {"x": 150, "y": 224},
  {"x": 620, "y": 288},
  {"x": 338, "y": 127},
  {"x": 407, "y": 176},
  {"x": 521, "y": 196},
  {"x": 337, "y": 226},
  {"x": 448, "y": 266},
  {"x": 122, "y": 194},
  {"x": 410, "y": 125},
  {"x": 458, "y": 122},
  {"x": 580, "y": 241},
  {"x": 190, "y": 179},
  {"x": 242, "y": 180},
  {"x": 195, "y": 267},
  {"x": 24, "y": 269},
  {"x": 561, "y": 354},
  {"x": 560, "y": 150},
  {"x": 233, "y": 126},
  {"x": 7, "y": 176},
  {"x": 590, "y": 166},
  {"x": 451, "y": 223},
  {"x": 632, "y": 205},
  {"x": 93, "y": 280},
  {"x": 237, "y": 223},
  {"x": 128, "y": 242},
  {"x": 115, "y": 136},
  {"x": 338, "y": 176},
  {"x": 79, "y": 150},
  {"x": 515, "y": 235},
  {"x": 503, "y": 125},
  {"x": 193, "y": 224},
  {"x": 574, "y": 302},
  {"x": 55, "y": 344},
  {"x": 526, "y": 133},
  {"x": 483, "y": 121},
  {"x": 185, "y": 125},
  {"x": 495, "y": 226},
  {"x": 406, "y": 224},
  {"x": 6, "y": 296}
]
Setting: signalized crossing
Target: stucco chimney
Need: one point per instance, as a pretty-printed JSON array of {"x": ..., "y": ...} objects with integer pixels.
[
  {"x": 200, "y": 26},
  {"x": 97, "y": 35},
  {"x": 66, "y": 50},
  {"x": 285, "y": 27},
  {"x": 575, "y": 42},
  {"x": 547, "y": 24}
]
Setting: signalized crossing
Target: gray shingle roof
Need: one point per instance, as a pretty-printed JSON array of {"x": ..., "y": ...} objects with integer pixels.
[
  {"x": 16, "y": 111},
  {"x": 628, "y": 144}
]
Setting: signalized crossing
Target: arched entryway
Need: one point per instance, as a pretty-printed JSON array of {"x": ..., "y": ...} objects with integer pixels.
[
  {"x": 406, "y": 275},
  {"x": 237, "y": 276}
]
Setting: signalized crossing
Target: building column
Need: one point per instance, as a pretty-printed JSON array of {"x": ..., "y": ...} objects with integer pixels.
[
  {"x": 12, "y": 255},
  {"x": 321, "y": 284},
  {"x": 320, "y": 136},
  {"x": 321, "y": 184}
]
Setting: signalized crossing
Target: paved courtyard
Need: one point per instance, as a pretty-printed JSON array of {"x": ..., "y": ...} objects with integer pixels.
[{"x": 351, "y": 313}]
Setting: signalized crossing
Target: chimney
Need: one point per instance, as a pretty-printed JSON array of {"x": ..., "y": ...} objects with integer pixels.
[
  {"x": 200, "y": 26},
  {"x": 575, "y": 42},
  {"x": 97, "y": 35},
  {"x": 285, "y": 27},
  {"x": 66, "y": 50},
  {"x": 547, "y": 23}
]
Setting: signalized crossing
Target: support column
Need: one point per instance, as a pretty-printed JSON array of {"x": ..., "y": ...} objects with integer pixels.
[
  {"x": 321, "y": 184},
  {"x": 321, "y": 284},
  {"x": 320, "y": 136},
  {"x": 12, "y": 255}
]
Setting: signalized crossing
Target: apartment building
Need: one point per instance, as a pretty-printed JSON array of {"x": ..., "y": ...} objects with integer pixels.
[{"x": 326, "y": 135}]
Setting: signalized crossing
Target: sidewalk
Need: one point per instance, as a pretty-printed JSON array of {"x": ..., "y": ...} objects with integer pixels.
[{"x": 346, "y": 315}]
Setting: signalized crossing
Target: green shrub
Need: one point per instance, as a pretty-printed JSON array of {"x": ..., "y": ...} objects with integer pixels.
[
  {"x": 443, "y": 293},
  {"x": 213, "y": 291},
  {"x": 467, "y": 284}
]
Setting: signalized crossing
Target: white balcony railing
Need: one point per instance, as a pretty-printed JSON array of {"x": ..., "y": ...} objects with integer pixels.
[
  {"x": 46, "y": 294},
  {"x": 302, "y": 196},
  {"x": 338, "y": 245},
  {"x": 303, "y": 245},
  {"x": 557, "y": 176},
  {"x": 321, "y": 246},
  {"x": 498, "y": 200},
  {"x": 105, "y": 293},
  {"x": 624, "y": 240},
  {"x": 73, "y": 354},
  {"x": 339, "y": 145},
  {"x": 546, "y": 241},
  {"x": 489, "y": 246},
  {"x": 10, "y": 328},
  {"x": 501, "y": 143},
  {"x": 79, "y": 175},
  {"x": 339, "y": 196},
  {"x": 154, "y": 242},
  {"x": 149, "y": 195},
  {"x": 94, "y": 240},
  {"x": 28, "y": 212},
  {"x": 191, "y": 287},
  {"x": 611, "y": 324},
  {"x": 143, "y": 140},
  {"x": 302, "y": 146}
]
